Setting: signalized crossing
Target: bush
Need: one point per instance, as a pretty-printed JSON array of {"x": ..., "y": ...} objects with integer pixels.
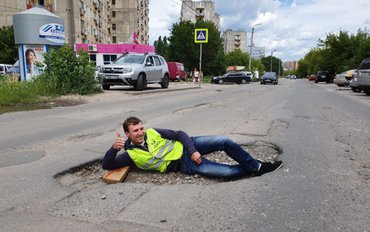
[{"x": 68, "y": 73}]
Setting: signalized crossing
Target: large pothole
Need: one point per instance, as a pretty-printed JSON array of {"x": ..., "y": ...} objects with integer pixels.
[{"x": 91, "y": 172}]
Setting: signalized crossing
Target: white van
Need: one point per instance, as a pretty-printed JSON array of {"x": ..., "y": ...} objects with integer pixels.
[{"x": 4, "y": 68}]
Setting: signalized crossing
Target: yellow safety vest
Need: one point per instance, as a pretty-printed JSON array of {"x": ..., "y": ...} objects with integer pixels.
[{"x": 161, "y": 152}]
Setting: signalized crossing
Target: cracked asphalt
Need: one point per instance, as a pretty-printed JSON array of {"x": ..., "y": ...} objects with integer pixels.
[{"x": 321, "y": 133}]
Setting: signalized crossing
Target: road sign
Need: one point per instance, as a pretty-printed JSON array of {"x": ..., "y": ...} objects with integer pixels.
[{"x": 201, "y": 35}]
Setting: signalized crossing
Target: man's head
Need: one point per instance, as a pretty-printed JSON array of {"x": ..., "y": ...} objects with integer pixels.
[{"x": 134, "y": 130}]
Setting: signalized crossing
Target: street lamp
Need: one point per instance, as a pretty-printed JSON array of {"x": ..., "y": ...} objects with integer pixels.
[
  {"x": 251, "y": 47},
  {"x": 271, "y": 59}
]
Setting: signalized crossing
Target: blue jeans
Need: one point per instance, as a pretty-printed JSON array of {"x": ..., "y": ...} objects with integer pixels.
[{"x": 208, "y": 144}]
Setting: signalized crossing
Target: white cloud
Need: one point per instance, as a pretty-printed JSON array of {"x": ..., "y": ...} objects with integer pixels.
[
  {"x": 265, "y": 18},
  {"x": 162, "y": 14},
  {"x": 293, "y": 27}
]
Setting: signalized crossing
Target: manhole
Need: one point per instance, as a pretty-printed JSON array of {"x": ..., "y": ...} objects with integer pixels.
[{"x": 92, "y": 172}]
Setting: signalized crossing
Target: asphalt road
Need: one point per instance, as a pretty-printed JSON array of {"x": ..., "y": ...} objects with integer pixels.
[{"x": 323, "y": 133}]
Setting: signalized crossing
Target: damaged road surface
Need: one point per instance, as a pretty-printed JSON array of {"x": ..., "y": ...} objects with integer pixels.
[
  {"x": 86, "y": 179},
  {"x": 50, "y": 174}
]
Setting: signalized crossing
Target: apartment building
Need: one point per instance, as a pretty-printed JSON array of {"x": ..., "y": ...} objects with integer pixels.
[
  {"x": 129, "y": 16},
  {"x": 90, "y": 21},
  {"x": 234, "y": 40},
  {"x": 200, "y": 10},
  {"x": 7, "y": 9},
  {"x": 290, "y": 65},
  {"x": 85, "y": 21}
]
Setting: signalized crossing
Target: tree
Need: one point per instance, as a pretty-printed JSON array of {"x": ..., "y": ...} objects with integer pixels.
[
  {"x": 257, "y": 66},
  {"x": 237, "y": 58},
  {"x": 213, "y": 57},
  {"x": 158, "y": 44},
  {"x": 165, "y": 47},
  {"x": 362, "y": 50},
  {"x": 183, "y": 49},
  {"x": 343, "y": 51},
  {"x": 336, "y": 53},
  {"x": 311, "y": 63},
  {"x": 303, "y": 68},
  {"x": 9, "y": 51},
  {"x": 272, "y": 63},
  {"x": 162, "y": 47}
]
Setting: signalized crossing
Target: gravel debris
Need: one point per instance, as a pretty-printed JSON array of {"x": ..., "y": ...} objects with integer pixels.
[{"x": 93, "y": 172}]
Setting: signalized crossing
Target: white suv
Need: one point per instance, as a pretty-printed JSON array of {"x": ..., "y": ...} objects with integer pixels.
[
  {"x": 4, "y": 68},
  {"x": 135, "y": 69}
]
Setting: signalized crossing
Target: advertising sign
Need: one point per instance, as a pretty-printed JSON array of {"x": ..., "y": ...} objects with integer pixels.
[
  {"x": 33, "y": 58},
  {"x": 53, "y": 32},
  {"x": 38, "y": 26}
]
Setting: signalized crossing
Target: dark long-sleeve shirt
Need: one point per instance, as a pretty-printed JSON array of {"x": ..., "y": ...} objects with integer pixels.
[{"x": 112, "y": 160}]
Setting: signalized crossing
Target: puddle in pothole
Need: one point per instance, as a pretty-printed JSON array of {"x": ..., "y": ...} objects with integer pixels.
[{"x": 90, "y": 173}]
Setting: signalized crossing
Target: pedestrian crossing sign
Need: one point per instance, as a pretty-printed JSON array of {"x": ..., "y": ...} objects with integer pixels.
[{"x": 201, "y": 35}]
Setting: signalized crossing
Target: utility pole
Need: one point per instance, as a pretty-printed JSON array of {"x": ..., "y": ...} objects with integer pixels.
[
  {"x": 272, "y": 52},
  {"x": 251, "y": 47}
]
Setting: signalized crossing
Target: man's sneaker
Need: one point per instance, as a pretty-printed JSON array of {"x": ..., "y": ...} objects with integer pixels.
[{"x": 268, "y": 167}]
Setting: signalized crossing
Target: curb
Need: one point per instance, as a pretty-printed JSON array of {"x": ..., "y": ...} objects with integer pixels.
[{"x": 164, "y": 90}]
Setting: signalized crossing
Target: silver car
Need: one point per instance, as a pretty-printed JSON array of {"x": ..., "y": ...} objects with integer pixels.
[
  {"x": 135, "y": 69},
  {"x": 343, "y": 79},
  {"x": 362, "y": 76}
]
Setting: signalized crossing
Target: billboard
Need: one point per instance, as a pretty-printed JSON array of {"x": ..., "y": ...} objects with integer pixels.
[
  {"x": 31, "y": 61},
  {"x": 38, "y": 26},
  {"x": 34, "y": 31}
]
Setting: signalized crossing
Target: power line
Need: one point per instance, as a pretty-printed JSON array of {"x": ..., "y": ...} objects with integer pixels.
[{"x": 176, "y": 2}]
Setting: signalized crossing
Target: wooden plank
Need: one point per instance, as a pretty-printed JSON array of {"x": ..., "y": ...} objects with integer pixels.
[{"x": 116, "y": 175}]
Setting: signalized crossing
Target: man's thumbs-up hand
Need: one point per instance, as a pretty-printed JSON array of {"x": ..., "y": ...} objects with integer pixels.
[
  {"x": 118, "y": 135},
  {"x": 119, "y": 143}
]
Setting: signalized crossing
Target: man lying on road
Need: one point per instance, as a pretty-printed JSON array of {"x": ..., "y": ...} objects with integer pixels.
[{"x": 166, "y": 150}]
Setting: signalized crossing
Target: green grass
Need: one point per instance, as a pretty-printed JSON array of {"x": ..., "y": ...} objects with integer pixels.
[
  {"x": 60, "y": 78},
  {"x": 13, "y": 93}
]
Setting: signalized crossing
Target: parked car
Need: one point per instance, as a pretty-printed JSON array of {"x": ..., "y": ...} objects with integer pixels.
[
  {"x": 269, "y": 77},
  {"x": 135, "y": 69},
  {"x": 96, "y": 74},
  {"x": 343, "y": 79},
  {"x": 4, "y": 68},
  {"x": 323, "y": 76},
  {"x": 312, "y": 77},
  {"x": 233, "y": 77},
  {"x": 362, "y": 76},
  {"x": 176, "y": 71},
  {"x": 354, "y": 85}
]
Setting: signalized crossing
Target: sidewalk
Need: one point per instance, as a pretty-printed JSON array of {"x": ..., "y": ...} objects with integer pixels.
[{"x": 118, "y": 91}]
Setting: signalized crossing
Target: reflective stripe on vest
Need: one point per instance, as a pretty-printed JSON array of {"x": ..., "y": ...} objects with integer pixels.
[
  {"x": 161, "y": 152},
  {"x": 159, "y": 155}
]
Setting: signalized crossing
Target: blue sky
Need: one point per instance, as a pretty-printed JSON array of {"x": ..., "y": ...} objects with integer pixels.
[{"x": 291, "y": 27}]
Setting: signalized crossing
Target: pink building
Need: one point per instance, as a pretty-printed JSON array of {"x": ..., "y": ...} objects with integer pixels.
[{"x": 102, "y": 54}]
